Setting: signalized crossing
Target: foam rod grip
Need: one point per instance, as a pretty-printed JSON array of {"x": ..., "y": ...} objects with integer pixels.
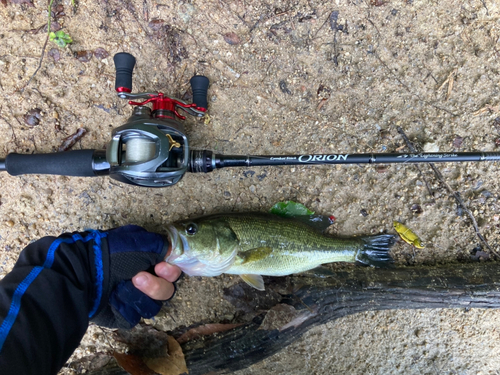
[{"x": 69, "y": 163}]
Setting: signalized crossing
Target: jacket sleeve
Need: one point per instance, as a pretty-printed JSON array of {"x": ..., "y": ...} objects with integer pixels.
[{"x": 46, "y": 301}]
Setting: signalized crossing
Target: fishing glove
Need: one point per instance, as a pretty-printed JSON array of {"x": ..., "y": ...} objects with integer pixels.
[{"x": 130, "y": 249}]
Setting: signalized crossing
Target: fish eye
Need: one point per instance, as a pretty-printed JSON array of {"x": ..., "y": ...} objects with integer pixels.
[{"x": 191, "y": 229}]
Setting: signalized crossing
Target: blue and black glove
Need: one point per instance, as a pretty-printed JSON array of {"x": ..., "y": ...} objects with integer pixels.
[{"x": 130, "y": 249}]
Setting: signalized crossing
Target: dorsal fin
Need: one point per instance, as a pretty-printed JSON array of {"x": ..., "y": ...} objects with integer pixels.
[
  {"x": 320, "y": 222},
  {"x": 298, "y": 211}
]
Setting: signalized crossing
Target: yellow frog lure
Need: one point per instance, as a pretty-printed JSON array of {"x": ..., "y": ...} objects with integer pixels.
[{"x": 408, "y": 235}]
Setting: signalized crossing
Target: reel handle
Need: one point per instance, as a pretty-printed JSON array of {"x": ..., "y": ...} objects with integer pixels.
[
  {"x": 124, "y": 64},
  {"x": 199, "y": 85}
]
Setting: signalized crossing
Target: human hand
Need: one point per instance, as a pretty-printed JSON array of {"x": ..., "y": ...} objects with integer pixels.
[
  {"x": 130, "y": 291},
  {"x": 159, "y": 288}
]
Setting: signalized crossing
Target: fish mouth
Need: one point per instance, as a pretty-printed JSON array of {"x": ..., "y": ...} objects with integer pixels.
[{"x": 178, "y": 242}]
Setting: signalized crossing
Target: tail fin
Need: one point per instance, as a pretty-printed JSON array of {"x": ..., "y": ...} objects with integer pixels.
[{"x": 375, "y": 250}]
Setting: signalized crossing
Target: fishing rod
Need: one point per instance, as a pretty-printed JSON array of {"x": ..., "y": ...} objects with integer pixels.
[{"x": 151, "y": 149}]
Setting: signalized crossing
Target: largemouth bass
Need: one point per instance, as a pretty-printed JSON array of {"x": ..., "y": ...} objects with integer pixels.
[{"x": 252, "y": 245}]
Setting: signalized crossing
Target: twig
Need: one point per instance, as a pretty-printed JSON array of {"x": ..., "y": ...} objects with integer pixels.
[
  {"x": 492, "y": 108},
  {"x": 267, "y": 70},
  {"x": 145, "y": 10},
  {"x": 43, "y": 48},
  {"x": 455, "y": 194},
  {"x": 319, "y": 29},
  {"x": 333, "y": 25},
  {"x": 449, "y": 80},
  {"x": 256, "y": 24},
  {"x": 11, "y": 127},
  {"x": 412, "y": 149},
  {"x": 485, "y": 7},
  {"x": 39, "y": 63},
  {"x": 177, "y": 80}
]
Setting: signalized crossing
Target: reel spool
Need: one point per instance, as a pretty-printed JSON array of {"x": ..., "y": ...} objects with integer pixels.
[
  {"x": 147, "y": 151},
  {"x": 139, "y": 150}
]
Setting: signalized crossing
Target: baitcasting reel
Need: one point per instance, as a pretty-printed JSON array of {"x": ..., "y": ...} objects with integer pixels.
[{"x": 152, "y": 150}]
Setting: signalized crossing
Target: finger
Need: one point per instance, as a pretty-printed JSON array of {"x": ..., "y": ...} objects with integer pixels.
[
  {"x": 154, "y": 287},
  {"x": 168, "y": 271}
]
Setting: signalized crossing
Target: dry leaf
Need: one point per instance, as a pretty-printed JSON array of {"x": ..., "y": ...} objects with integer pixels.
[
  {"x": 132, "y": 364},
  {"x": 33, "y": 117},
  {"x": 101, "y": 53},
  {"x": 58, "y": 8},
  {"x": 156, "y": 24},
  {"x": 173, "y": 363},
  {"x": 157, "y": 350},
  {"x": 55, "y": 54},
  {"x": 69, "y": 141},
  {"x": 232, "y": 38},
  {"x": 54, "y": 26},
  {"x": 382, "y": 168},
  {"x": 83, "y": 56},
  {"x": 207, "y": 329},
  {"x": 457, "y": 142}
]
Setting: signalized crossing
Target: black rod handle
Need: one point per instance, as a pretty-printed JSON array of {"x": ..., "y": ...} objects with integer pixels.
[
  {"x": 199, "y": 85},
  {"x": 124, "y": 65},
  {"x": 69, "y": 163}
]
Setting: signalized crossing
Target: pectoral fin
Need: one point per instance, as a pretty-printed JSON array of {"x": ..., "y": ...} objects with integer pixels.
[
  {"x": 255, "y": 281},
  {"x": 254, "y": 255}
]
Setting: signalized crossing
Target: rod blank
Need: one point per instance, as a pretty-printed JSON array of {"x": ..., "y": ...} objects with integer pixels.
[{"x": 206, "y": 161}]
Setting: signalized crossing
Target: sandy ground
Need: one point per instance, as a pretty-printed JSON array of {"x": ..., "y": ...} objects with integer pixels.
[{"x": 282, "y": 81}]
